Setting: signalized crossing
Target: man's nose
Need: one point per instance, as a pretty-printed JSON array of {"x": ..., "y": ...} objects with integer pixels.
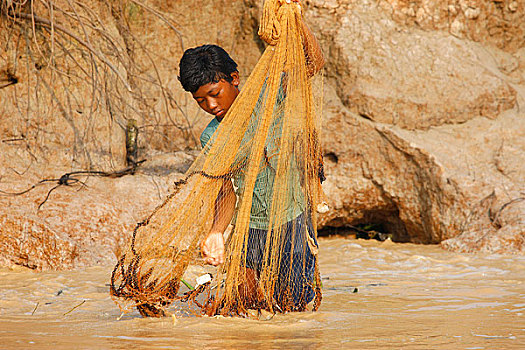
[{"x": 212, "y": 103}]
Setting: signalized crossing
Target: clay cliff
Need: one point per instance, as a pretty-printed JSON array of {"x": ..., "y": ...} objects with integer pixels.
[
  {"x": 428, "y": 120},
  {"x": 423, "y": 131}
]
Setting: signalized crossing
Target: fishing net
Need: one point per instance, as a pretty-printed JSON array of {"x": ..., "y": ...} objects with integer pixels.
[{"x": 266, "y": 150}]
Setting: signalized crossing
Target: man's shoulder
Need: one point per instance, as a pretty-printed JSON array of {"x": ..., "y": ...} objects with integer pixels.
[{"x": 208, "y": 131}]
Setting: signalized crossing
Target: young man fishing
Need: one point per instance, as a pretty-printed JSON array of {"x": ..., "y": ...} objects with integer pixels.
[{"x": 212, "y": 77}]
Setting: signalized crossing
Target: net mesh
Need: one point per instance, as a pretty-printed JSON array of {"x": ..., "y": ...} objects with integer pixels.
[{"x": 259, "y": 172}]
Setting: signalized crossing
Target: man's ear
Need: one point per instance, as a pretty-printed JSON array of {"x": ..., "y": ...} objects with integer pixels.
[{"x": 235, "y": 76}]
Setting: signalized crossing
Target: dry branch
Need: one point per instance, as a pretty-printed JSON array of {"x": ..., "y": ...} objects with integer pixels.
[
  {"x": 46, "y": 22},
  {"x": 72, "y": 64}
]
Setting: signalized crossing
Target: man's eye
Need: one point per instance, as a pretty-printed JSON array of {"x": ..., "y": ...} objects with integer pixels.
[{"x": 217, "y": 94}]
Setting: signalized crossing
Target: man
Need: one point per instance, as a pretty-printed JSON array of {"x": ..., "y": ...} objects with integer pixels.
[{"x": 211, "y": 76}]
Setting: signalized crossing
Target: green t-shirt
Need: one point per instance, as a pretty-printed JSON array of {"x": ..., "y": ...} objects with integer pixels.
[
  {"x": 263, "y": 188},
  {"x": 209, "y": 131}
]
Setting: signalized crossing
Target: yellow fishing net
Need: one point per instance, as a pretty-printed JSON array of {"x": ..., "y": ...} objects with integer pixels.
[{"x": 267, "y": 150}]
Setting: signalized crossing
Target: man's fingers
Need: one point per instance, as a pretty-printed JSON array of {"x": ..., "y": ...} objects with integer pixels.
[
  {"x": 212, "y": 249},
  {"x": 213, "y": 258},
  {"x": 213, "y": 261}
]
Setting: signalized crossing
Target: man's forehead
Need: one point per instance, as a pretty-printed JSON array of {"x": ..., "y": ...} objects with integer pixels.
[{"x": 206, "y": 89}]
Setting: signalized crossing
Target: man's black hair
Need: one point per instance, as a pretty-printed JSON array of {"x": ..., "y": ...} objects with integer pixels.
[{"x": 205, "y": 64}]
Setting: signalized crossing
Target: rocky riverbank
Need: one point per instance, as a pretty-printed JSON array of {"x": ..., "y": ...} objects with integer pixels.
[{"x": 423, "y": 120}]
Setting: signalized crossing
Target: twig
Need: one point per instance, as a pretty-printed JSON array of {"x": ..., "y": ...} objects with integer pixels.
[
  {"x": 11, "y": 82},
  {"x": 75, "y": 307},
  {"x": 15, "y": 139},
  {"x": 46, "y": 22},
  {"x": 36, "y": 306},
  {"x": 494, "y": 217},
  {"x": 18, "y": 193},
  {"x": 23, "y": 172},
  {"x": 64, "y": 179},
  {"x": 67, "y": 179},
  {"x": 69, "y": 119},
  {"x": 47, "y": 196}
]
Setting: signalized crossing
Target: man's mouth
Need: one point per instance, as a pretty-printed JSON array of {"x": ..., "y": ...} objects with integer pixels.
[{"x": 219, "y": 113}]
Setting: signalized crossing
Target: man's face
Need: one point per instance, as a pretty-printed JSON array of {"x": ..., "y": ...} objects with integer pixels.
[{"x": 217, "y": 98}]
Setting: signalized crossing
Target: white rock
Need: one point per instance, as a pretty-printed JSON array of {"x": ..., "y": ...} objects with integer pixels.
[
  {"x": 457, "y": 28},
  {"x": 322, "y": 208},
  {"x": 472, "y": 13},
  {"x": 203, "y": 279}
]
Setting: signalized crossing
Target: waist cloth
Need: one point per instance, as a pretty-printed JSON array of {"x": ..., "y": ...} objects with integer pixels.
[{"x": 297, "y": 263}]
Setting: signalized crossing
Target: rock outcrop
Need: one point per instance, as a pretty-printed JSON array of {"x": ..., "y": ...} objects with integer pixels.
[
  {"x": 408, "y": 77},
  {"x": 84, "y": 223},
  {"x": 494, "y": 22},
  {"x": 419, "y": 137}
]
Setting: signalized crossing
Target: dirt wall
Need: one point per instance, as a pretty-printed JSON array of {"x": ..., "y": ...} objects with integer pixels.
[{"x": 422, "y": 118}]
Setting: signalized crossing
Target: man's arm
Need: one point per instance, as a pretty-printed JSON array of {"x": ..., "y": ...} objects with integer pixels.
[
  {"x": 312, "y": 51},
  {"x": 212, "y": 247}
]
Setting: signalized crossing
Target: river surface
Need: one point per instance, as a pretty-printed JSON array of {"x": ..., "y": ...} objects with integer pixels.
[{"x": 376, "y": 296}]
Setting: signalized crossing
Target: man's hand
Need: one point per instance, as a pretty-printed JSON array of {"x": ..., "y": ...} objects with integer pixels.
[
  {"x": 212, "y": 249},
  {"x": 314, "y": 56},
  {"x": 298, "y": 2}
]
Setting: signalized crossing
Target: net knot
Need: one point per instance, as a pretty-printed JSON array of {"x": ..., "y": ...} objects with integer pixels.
[{"x": 273, "y": 12}]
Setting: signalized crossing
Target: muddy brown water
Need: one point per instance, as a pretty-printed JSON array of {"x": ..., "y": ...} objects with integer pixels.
[{"x": 408, "y": 296}]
